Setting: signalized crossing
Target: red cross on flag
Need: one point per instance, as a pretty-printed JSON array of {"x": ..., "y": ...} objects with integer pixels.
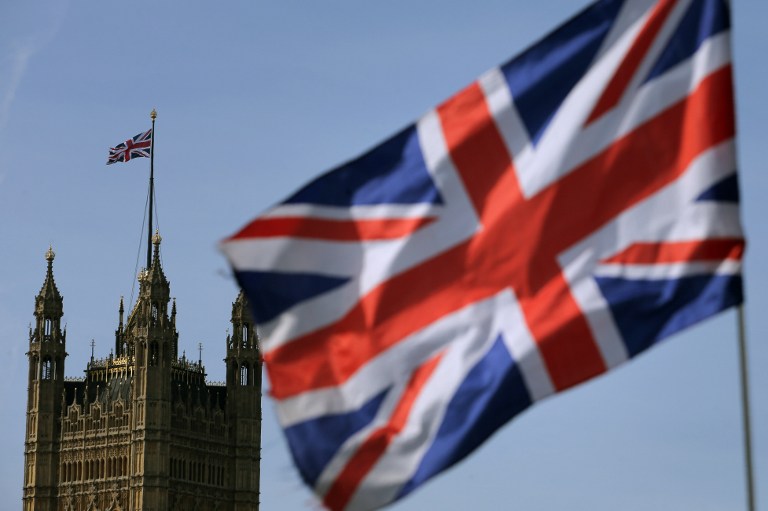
[
  {"x": 565, "y": 212},
  {"x": 139, "y": 146}
]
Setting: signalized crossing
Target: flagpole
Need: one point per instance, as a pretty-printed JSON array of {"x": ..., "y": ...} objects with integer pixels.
[
  {"x": 745, "y": 409},
  {"x": 153, "y": 115}
]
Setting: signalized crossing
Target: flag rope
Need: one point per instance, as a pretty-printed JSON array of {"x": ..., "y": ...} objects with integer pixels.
[{"x": 138, "y": 253}]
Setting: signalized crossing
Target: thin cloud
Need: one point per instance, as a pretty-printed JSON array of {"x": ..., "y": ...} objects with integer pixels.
[
  {"x": 18, "y": 66},
  {"x": 21, "y": 49},
  {"x": 15, "y": 64}
]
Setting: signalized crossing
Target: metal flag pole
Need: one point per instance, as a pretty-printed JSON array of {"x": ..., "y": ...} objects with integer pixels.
[
  {"x": 153, "y": 115},
  {"x": 745, "y": 409}
]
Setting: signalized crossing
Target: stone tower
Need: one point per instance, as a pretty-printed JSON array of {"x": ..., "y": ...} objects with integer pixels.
[
  {"x": 151, "y": 338},
  {"x": 244, "y": 413},
  {"x": 142, "y": 430},
  {"x": 46, "y": 355}
]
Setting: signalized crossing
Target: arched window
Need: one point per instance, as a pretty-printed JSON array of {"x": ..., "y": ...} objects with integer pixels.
[
  {"x": 47, "y": 368},
  {"x": 244, "y": 374},
  {"x": 245, "y": 335},
  {"x": 47, "y": 327}
]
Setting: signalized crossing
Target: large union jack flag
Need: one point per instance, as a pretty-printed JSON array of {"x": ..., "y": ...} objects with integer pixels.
[
  {"x": 563, "y": 213},
  {"x": 139, "y": 146}
]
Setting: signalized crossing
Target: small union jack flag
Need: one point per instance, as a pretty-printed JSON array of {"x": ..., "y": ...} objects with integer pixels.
[
  {"x": 570, "y": 209},
  {"x": 139, "y": 146}
]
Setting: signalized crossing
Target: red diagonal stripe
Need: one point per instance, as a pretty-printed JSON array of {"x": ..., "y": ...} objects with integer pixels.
[
  {"x": 617, "y": 87},
  {"x": 333, "y": 230},
  {"x": 374, "y": 447},
  {"x": 680, "y": 251},
  {"x": 636, "y": 165},
  {"x": 404, "y": 304}
]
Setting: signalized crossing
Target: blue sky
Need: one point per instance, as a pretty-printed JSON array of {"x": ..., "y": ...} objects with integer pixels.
[{"x": 255, "y": 98}]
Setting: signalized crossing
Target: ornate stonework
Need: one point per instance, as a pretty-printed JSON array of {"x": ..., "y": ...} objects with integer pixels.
[{"x": 143, "y": 430}]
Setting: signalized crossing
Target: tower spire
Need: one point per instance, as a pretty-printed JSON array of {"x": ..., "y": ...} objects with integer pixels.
[
  {"x": 156, "y": 240},
  {"x": 49, "y": 300},
  {"x": 46, "y": 355},
  {"x": 49, "y": 306},
  {"x": 154, "y": 285},
  {"x": 119, "y": 341}
]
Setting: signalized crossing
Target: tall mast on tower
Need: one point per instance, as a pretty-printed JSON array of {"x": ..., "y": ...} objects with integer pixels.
[{"x": 153, "y": 116}]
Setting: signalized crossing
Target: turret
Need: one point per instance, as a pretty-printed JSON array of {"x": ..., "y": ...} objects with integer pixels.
[
  {"x": 49, "y": 306},
  {"x": 150, "y": 333},
  {"x": 244, "y": 404},
  {"x": 243, "y": 355},
  {"x": 121, "y": 349},
  {"x": 47, "y": 342},
  {"x": 151, "y": 340}
]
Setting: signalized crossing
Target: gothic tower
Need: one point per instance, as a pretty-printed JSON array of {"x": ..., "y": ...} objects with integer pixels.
[
  {"x": 151, "y": 339},
  {"x": 46, "y": 355},
  {"x": 143, "y": 430},
  {"x": 244, "y": 409}
]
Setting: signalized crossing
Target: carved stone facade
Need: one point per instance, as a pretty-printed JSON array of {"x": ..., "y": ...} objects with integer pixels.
[{"x": 143, "y": 430}]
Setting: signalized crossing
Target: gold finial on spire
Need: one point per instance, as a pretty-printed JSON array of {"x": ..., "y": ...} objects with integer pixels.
[
  {"x": 153, "y": 114},
  {"x": 50, "y": 254},
  {"x": 156, "y": 239}
]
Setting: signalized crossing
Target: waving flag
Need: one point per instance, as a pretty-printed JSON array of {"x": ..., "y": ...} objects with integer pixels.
[
  {"x": 139, "y": 146},
  {"x": 557, "y": 217}
]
